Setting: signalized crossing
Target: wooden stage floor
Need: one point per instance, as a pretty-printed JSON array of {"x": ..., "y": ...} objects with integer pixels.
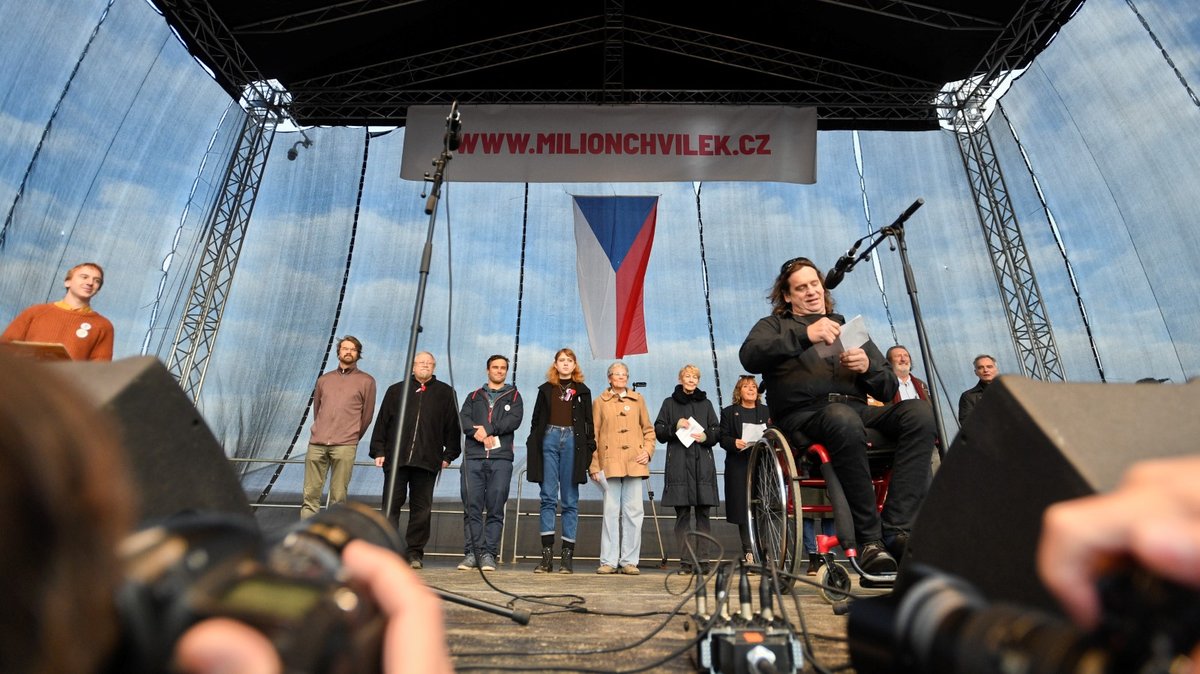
[{"x": 585, "y": 622}]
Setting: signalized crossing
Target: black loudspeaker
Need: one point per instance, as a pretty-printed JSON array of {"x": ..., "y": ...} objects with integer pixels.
[
  {"x": 1027, "y": 445},
  {"x": 177, "y": 464}
]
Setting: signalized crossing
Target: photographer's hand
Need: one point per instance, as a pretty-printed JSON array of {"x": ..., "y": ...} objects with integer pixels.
[
  {"x": 415, "y": 639},
  {"x": 225, "y": 646},
  {"x": 1152, "y": 517}
]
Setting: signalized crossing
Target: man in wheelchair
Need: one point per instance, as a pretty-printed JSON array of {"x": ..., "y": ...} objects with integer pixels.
[{"x": 825, "y": 399}]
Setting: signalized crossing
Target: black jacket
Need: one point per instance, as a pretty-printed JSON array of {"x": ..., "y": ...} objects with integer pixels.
[
  {"x": 501, "y": 419},
  {"x": 796, "y": 379},
  {"x": 968, "y": 400},
  {"x": 691, "y": 472},
  {"x": 581, "y": 424},
  {"x": 737, "y": 461},
  {"x": 433, "y": 412}
]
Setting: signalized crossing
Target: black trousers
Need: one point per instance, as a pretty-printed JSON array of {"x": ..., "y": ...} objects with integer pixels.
[
  {"x": 841, "y": 427},
  {"x": 414, "y": 485}
]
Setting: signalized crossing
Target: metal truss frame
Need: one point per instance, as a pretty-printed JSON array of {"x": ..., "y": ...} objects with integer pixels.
[
  {"x": 1028, "y": 322},
  {"x": 381, "y": 92},
  {"x": 385, "y": 90},
  {"x": 915, "y": 12},
  {"x": 225, "y": 232}
]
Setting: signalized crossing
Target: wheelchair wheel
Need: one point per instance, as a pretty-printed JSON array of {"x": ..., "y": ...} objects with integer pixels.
[
  {"x": 833, "y": 577},
  {"x": 773, "y": 503}
]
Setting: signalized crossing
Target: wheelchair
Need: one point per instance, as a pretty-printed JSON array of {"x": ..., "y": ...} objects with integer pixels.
[{"x": 778, "y": 469}]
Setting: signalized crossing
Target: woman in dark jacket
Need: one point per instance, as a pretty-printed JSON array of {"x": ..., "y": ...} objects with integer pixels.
[
  {"x": 691, "y": 473},
  {"x": 559, "y": 449},
  {"x": 746, "y": 409}
]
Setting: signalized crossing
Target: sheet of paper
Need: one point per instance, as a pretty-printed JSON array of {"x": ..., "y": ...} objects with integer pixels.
[
  {"x": 685, "y": 434},
  {"x": 492, "y": 442},
  {"x": 751, "y": 433},
  {"x": 853, "y": 335},
  {"x": 602, "y": 481}
]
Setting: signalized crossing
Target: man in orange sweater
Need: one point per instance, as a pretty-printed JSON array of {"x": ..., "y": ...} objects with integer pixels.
[{"x": 71, "y": 321}]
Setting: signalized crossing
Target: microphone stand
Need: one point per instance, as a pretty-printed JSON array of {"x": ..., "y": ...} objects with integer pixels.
[
  {"x": 896, "y": 230},
  {"x": 517, "y": 615},
  {"x": 449, "y": 144}
]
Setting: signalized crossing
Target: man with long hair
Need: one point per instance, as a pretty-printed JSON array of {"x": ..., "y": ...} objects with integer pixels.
[{"x": 825, "y": 398}]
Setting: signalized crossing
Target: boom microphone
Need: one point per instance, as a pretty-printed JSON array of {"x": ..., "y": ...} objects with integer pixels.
[
  {"x": 453, "y": 127},
  {"x": 835, "y": 275},
  {"x": 846, "y": 262}
]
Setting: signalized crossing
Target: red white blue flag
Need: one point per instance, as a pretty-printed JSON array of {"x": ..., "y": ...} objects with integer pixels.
[{"x": 613, "y": 237}]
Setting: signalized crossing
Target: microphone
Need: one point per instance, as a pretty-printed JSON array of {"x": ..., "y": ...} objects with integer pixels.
[
  {"x": 911, "y": 209},
  {"x": 637, "y": 384},
  {"x": 453, "y": 127},
  {"x": 835, "y": 275},
  {"x": 846, "y": 262}
]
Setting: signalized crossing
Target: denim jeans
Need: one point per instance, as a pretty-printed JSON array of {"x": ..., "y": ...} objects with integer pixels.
[
  {"x": 558, "y": 484},
  {"x": 484, "y": 487},
  {"x": 621, "y": 533},
  {"x": 810, "y": 533}
]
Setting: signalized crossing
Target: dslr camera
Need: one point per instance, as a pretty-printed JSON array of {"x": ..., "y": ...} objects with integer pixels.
[
  {"x": 941, "y": 624},
  {"x": 199, "y": 566}
]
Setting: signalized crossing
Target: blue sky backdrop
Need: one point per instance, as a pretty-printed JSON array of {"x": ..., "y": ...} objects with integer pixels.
[{"x": 115, "y": 140}]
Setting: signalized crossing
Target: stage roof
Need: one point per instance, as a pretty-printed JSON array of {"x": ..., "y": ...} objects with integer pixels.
[{"x": 865, "y": 64}]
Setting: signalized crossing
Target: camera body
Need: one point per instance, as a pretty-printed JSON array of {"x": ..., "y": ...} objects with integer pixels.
[{"x": 201, "y": 566}]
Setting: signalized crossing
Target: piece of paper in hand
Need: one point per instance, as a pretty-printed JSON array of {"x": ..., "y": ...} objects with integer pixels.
[
  {"x": 492, "y": 442},
  {"x": 853, "y": 335},
  {"x": 752, "y": 433},
  {"x": 685, "y": 434},
  {"x": 602, "y": 481}
]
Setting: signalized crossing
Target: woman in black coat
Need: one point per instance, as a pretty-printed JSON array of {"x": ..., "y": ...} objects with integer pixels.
[
  {"x": 691, "y": 473},
  {"x": 746, "y": 409},
  {"x": 559, "y": 450}
]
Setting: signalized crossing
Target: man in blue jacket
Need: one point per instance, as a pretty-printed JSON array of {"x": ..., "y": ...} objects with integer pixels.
[{"x": 489, "y": 416}]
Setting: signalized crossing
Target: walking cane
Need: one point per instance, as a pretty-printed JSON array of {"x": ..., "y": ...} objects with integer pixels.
[{"x": 663, "y": 550}]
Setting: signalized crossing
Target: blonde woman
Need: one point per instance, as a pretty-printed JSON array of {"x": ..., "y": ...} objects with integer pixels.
[
  {"x": 624, "y": 445},
  {"x": 691, "y": 473}
]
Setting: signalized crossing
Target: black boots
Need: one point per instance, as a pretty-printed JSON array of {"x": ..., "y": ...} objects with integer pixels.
[
  {"x": 814, "y": 562},
  {"x": 566, "y": 565},
  {"x": 547, "y": 563}
]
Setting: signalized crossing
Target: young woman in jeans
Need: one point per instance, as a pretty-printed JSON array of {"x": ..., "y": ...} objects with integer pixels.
[{"x": 559, "y": 448}]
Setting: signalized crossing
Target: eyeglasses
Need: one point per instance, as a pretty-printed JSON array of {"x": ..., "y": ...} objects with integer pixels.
[{"x": 795, "y": 262}]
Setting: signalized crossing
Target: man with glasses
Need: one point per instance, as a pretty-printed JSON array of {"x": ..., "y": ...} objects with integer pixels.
[{"x": 825, "y": 398}]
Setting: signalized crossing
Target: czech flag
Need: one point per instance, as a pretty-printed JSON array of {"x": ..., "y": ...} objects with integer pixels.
[{"x": 613, "y": 237}]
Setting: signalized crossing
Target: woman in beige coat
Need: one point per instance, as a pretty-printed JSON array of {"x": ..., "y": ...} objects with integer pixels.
[{"x": 624, "y": 445}]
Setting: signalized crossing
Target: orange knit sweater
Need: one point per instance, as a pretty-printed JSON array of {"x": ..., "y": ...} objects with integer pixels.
[{"x": 86, "y": 334}]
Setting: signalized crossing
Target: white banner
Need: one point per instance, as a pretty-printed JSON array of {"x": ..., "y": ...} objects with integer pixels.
[{"x": 636, "y": 143}]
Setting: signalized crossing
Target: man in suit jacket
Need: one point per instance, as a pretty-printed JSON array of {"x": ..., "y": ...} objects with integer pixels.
[{"x": 910, "y": 386}]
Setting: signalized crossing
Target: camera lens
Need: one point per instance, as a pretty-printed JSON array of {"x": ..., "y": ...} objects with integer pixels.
[{"x": 313, "y": 548}]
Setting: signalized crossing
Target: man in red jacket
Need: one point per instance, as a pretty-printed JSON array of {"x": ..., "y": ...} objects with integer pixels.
[{"x": 910, "y": 386}]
